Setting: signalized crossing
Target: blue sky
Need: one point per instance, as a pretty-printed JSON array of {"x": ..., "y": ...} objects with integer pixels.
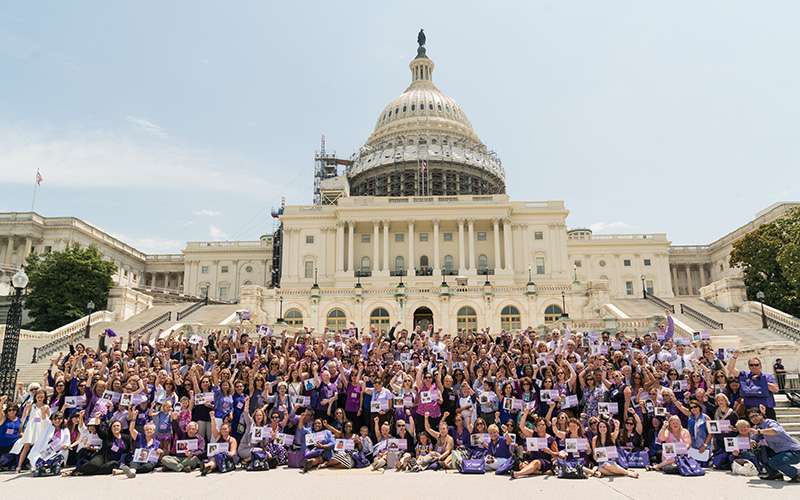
[{"x": 163, "y": 122}]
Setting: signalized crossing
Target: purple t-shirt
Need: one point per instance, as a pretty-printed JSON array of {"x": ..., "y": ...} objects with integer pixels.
[
  {"x": 353, "y": 401},
  {"x": 754, "y": 389}
]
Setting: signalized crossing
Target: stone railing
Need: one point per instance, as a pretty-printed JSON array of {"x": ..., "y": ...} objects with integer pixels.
[
  {"x": 69, "y": 333},
  {"x": 659, "y": 302},
  {"x": 777, "y": 320},
  {"x": 702, "y": 318}
]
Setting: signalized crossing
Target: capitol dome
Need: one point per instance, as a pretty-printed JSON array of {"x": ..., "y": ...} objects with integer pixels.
[{"x": 424, "y": 145}]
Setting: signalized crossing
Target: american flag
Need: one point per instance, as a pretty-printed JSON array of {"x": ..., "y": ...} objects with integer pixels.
[{"x": 39, "y": 178}]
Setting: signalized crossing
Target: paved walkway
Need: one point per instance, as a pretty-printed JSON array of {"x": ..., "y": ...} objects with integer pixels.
[{"x": 357, "y": 484}]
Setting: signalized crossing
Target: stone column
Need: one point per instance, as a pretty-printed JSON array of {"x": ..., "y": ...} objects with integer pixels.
[
  {"x": 702, "y": 269},
  {"x": 350, "y": 235},
  {"x": 471, "y": 235},
  {"x": 674, "y": 273},
  {"x": 386, "y": 265},
  {"x": 28, "y": 244},
  {"x": 689, "y": 284},
  {"x": 496, "y": 232},
  {"x": 411, "y": 261},
  {"x": 339, "y": 247},
  {"x": 461, "y": 252},
  {"x": 376, "y": 257},
  {"x": 507, "y": 245},
  {"x": 436, "y": 269},
  {"x": 9, "y": 250}
]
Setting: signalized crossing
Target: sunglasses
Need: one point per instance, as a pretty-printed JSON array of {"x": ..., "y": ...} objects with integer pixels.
[{"x": 753, "y": 364}]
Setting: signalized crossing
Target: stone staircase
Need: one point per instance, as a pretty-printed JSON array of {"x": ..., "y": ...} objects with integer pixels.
[{"x": 788, "y": 415}]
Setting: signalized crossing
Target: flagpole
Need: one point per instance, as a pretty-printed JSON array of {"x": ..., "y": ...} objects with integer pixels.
[{"x": 35, "y": 188}]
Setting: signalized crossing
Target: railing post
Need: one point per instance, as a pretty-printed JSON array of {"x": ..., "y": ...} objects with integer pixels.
[{"x": 35, "y": 351}]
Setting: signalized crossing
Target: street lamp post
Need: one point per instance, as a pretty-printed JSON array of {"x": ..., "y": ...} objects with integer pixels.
[
  {"x": 280, "y": 310},
  {"x": 8, "y": 358},
  {"x": 760, "y": 296},
  {"x": 644, "y": 289},
  {"x": 90, "y": 308},
  {"x": 564, "y": 314}
]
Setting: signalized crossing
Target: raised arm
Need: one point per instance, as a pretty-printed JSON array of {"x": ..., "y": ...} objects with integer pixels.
[{"x": 428, "y": 428}]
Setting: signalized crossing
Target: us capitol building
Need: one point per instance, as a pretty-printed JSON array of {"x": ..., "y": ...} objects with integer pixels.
[{"x": 416, "y": 227}]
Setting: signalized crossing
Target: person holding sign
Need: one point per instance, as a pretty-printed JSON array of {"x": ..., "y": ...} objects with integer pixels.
[
  {"x": 49, "y": 453},
  {"x": 320, "y": 445},
  {"x": 606, "y": 440},
  {"x": 188, "y": 452},
  {"x": 254, "y": 435},
  {"x": 147, "y": 449},
  {"x": 203, "y": 406},
  {"x": 538, "y": 459},
  {"x": 725, "y": 419},
  {"x": 424, "y": 383},
  {"x": 227, "y": 458},
  {"x": 698, "y": 428},
  {"x": 672, "y": 432}
]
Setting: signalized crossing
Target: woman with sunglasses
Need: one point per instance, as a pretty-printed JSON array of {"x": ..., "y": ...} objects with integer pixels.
[
  {"x": 756, "y": 387},
  {"x": 720, "y": 458},
  {"x": 672, "y": 431},
  {"x": 631, "y": 441}
]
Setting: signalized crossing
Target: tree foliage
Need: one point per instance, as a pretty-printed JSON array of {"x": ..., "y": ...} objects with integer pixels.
[
  {"x": 62, "y": 284},
  {"x": 770, "y": 260}
]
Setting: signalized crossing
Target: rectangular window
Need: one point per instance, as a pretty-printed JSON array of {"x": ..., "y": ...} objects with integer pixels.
[
  {"x": 448, "y": 236},
  {"x": 309, "y": 269},
  {"x": 204, "y": 269},
  {"x": 539, "y": 265},
  {"x": 538, "y": 235},
  {"x": 223, "y": 292},
  {"x": 309, "y": 240},
  {"x": 648, "y": 285},
  {"x": 647, "y": 262},
  {"x": 423, "y": 236},
  {"x": 578, "y": 263},
  {"x": 223, "y": 269},
  {"x": 481, "y": 235},
  {"x": 399, "y": 237},
  {"x": 365, "y": 238},
  {"x": 626, "y": 262},
  {"x": 629, "y": 288}
]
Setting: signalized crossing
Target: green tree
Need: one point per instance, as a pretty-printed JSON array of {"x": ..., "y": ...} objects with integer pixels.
[
  {"x": 62, "y": 283},
  {"x": 770, "y": 260}
]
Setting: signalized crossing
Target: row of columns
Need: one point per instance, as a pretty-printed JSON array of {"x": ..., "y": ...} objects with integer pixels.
[
  {"x": 26, "y": 246},
  {"x": 162, "y": 280},
  {"x": 685, "y": 270},
  {"x": 466, "y": 249}
]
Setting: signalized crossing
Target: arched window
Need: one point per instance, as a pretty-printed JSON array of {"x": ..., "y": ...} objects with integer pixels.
[
  {"x": 399, "y": 263},
  {"x": 337, "y": 320},
  {"x": 448, "y": 262},
  {"x": 365, "y": 263},
  {"x": 552, "y": 313},
  {"x": 294, "y": 318},
  {"x": 466, "y": 319},
  {"x": 380, "y": 318},
  {"x": 423, "y": 261},
  {"x": 509, "y": 319},
  {"x": 483, "y": 262}
]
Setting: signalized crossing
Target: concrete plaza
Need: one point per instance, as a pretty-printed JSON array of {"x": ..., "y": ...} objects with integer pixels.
[{"x": 357, "y": 484}]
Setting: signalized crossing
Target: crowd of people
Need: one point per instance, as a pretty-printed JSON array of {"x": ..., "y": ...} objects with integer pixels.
[{"x": 521, "y": 404}]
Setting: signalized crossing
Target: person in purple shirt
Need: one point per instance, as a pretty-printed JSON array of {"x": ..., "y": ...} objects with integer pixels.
[
  {"x": 328, "y": 394},
  {"x": 779, "y": 452},
  {"x": 755, "y": 387}
]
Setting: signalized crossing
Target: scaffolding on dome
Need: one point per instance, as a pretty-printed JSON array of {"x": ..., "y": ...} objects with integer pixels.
[{"x": 326, "y": 166}]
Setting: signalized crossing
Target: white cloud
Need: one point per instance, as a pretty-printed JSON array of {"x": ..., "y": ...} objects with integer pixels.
[
  {"x": 207, "y": 212},
  {"x": 147, "y": 126},
  {"x": 216, "y": 233},
  {"x": 101, "y": 159},
  {"x": 601, "y": 227}
]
